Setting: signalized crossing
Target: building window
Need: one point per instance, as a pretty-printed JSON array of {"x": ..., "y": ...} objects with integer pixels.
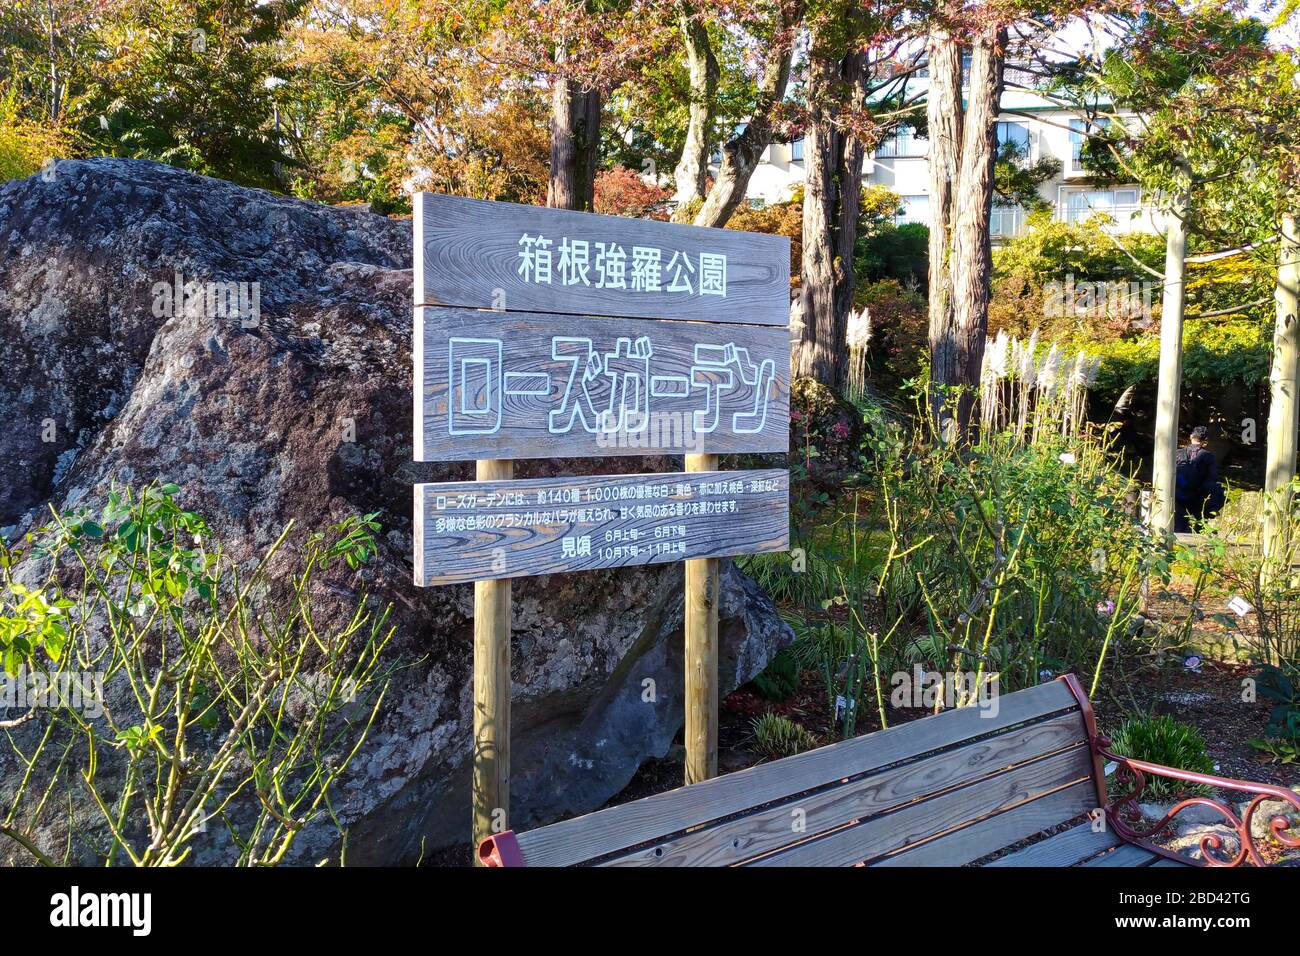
[
  {"x": 1080, "y": 130},
  {"x": 900, "y": 143},
  {"x": 1006, "y": 221},
  {"x": 1013, "y": 140},
  {"x": 1120, "y": 204},
  {"x": 796, "y": 151}
]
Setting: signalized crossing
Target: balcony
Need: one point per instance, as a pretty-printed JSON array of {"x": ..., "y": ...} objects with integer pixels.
[{"x": 1121, "y": 215}]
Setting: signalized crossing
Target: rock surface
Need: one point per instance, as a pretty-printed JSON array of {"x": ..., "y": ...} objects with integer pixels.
[
  {"x": 1262, "y": 821},
  {"x": 306, "y": 415}
]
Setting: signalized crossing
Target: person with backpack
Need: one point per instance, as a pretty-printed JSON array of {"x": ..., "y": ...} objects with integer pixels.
[{"x": 1197, "y": 493}]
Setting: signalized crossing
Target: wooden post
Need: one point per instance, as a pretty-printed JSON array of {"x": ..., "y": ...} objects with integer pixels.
[
  {"x": 1169, "y": 386},
  {"x": 1283, "y": 411},
  {"x": 491, "y": 798},
  {"x": 701, "y": 656}
]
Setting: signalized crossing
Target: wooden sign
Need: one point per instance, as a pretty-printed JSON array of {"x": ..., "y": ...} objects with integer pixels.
[
  {"x": 506, "y": 385},
  {"x": 492, "y": 255},
  {"x": 532, "y": 340},
  {"x": 481, "y": 530}
]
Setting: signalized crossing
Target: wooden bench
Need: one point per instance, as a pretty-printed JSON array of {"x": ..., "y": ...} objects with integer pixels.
[{"x": 940, "y": 791}]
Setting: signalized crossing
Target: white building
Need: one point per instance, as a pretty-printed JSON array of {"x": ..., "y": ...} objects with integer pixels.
[{"x": 1039, "y": 127}]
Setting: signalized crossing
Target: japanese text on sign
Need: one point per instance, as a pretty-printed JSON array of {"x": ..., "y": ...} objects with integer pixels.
[{"x": 607, "y": 266}]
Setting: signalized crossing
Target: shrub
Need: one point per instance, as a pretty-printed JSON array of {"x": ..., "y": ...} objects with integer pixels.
[
  {"x": 212, "y": 708},
  {"x": 25, "y": 145},
  {"x": 780, "y": 678},
  {"x": 776, "y": 736},
  {"x": 621, "y": 192},
  {"x": 1234, "y": 552},
  {"x": 1003, "y": 557},
  {"x": 899, "y": 331},
  {"x": 1165, "y": 741},
  {"x": 1278, "y": 684}
]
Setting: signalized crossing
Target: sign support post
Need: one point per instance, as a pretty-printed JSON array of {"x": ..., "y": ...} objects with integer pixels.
[
  {"x": 701, "y": 655},
  {"x": 491, "y": 798}
]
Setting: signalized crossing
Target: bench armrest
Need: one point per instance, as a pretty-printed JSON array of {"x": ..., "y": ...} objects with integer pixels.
[
  {"x": 1124, "y": 813},
  {"x": 500, "y": 849}
]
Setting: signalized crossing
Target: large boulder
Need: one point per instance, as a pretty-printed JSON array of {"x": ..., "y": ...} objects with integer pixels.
[{"x": 305, "y": 415}]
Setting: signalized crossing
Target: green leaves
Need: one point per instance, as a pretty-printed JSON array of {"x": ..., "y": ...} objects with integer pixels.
[
  {"x": 140, "y": 737},
  {"x": 354, "y": 540},
  {"x": 1165, "y": 741},
  {"x": 31, "y": 621}
]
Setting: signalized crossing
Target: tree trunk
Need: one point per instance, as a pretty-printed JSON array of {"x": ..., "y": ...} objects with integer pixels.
[
  {"x": 575, "y": 140},
  {"x": 820, "y": 345},
  {"x": 972, "y": 253},
  {"x": 1283, "y": 412},
  {"x": 944, "y": 119},
  {"x": 693, "y": 166},
  {"x": 1169, "y": 388},
  {"x": 588, "y": 109},
  {"x": 856, "y": 73}
]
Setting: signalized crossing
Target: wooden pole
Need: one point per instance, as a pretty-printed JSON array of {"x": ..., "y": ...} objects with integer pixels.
[
  {"x": 1169, "y": 387},
  {"x": 701, "y": 656},
  {"x": 491, "y": 798},
  {"x": 1283, "y": 411}
]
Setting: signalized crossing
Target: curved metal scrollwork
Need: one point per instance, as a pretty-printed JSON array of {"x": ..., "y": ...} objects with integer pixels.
[{"x": 1124, "y": 814}]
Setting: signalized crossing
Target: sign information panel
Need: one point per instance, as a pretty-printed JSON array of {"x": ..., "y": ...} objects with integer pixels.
[
  {"x": 512, "y": 385},
  {"x": 468, "y": 531},
  {"x": 491, "y": 255}
]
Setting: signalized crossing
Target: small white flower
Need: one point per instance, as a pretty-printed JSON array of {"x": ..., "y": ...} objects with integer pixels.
[{"x": 1067, "y": 457}]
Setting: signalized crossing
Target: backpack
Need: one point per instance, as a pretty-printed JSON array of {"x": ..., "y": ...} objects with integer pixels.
[{"x": 1187, "y": 480}]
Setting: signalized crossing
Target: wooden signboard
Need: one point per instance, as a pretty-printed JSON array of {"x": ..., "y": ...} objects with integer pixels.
[
  {"x": 491, "y": 255},
  {"x": 479, "y": 530},
  {"x": 548, "y": 333},
  {"x": 526, "y": 385}
]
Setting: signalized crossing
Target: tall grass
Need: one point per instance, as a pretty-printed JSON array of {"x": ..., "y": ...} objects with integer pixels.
[{"x": 1017, "y": 557}]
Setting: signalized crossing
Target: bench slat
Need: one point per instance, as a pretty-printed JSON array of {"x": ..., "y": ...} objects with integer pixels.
[
  {"x": 1064, "y": 849},
  {"x": 993, "y": 833},
  {"x": 1165, "y": 861},
  {"x": 770, "y": 828},
  {"x": 1125, "y": 855},
  {"x": 926, "y": 818},
  {"x": 630, "y": 824}
]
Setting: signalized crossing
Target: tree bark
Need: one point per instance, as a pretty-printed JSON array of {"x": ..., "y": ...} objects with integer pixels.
[
  {"x": 575, "y": 142},
  {"x": 1283, "y": 412},
  {"x": 588, "y": 107},
  {"x": 1169, "y": 387},
  {"x": 972, "y": 251},
  {"x": 693, "y": 165},
  {"x": 963, "y": 149},
  {"x": 944, "y": 119},
  {"x": 818, "y": 350},
  {"x": 832, "y": 199}
]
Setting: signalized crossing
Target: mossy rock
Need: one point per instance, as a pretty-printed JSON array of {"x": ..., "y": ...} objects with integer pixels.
[{"x": 825, "y": 433}]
